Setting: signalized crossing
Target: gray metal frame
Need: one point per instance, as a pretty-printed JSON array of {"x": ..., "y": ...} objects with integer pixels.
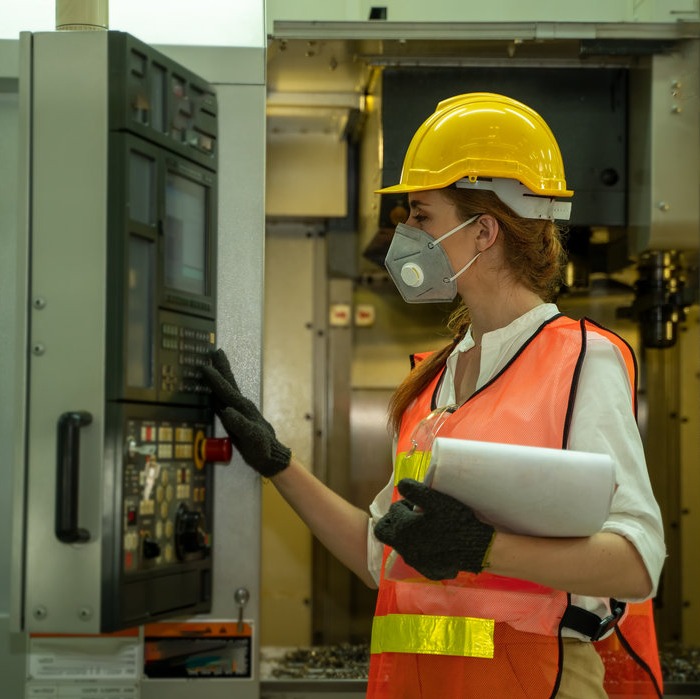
[
  {"x": 13, "y": 292},
  {"x": 67, "y": 281}
]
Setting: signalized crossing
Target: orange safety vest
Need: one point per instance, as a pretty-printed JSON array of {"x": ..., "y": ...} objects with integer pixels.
[{"x": 487, "y": 635}]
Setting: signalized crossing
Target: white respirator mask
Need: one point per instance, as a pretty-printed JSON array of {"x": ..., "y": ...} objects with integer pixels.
[{"x": 419, "y": 266}]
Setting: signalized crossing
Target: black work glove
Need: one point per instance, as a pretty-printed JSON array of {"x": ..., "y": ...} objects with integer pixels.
[
  {"x": 439, "y": 538},
  {"x": 252, "y": 435}
]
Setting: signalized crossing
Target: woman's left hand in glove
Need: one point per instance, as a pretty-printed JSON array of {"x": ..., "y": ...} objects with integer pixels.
[
  {"x": 434, "y": 533},
  {"x": 249, "y": 431}
]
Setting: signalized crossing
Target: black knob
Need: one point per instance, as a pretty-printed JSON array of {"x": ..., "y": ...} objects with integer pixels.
[
  {"x": 609, "y": 177},
  {"x": 190, "y": 536},
  {"x": 151, "y": 549}
]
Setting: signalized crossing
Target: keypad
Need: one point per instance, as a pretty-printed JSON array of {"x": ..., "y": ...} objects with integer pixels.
[{"x": 185, "y": 350}]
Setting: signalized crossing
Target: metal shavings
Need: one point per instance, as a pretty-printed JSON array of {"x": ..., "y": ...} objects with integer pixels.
[{"x": 345, "y": 661}]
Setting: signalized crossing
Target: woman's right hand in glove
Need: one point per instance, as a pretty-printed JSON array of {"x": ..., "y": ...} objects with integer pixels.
[{"x": 250, "y": 433}]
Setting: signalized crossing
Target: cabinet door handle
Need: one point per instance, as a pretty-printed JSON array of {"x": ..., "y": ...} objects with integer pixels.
[{"x": 68, "y": 476}]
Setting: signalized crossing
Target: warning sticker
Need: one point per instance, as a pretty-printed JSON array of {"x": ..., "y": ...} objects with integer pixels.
[{"x": 77, "y": 667}]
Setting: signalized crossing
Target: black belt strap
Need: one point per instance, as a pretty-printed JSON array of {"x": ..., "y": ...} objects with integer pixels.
[{"x": 590, "y": 624}]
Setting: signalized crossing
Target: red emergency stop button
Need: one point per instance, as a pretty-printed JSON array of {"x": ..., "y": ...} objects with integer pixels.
[
  {"x": 217, "y": 450},
  {"x": 211, "y": 449}
]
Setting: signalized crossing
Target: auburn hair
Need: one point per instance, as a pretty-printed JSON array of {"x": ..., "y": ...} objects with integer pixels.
[{"x": 535, "y": 257}]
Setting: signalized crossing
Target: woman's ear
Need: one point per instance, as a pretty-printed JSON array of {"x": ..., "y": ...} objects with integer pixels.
[{"x": 488, "y": 232}]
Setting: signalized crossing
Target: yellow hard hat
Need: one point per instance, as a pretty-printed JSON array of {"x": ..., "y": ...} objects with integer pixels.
[{"x": 483, "y": 135}]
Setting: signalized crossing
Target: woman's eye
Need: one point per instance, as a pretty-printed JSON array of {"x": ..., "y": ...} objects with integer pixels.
[{"x": 419, "y": 218}]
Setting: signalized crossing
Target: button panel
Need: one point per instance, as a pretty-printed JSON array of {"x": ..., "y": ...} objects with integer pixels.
[
  {"x": 160, "y": 479},
  {"x": 185, "y": 345}
]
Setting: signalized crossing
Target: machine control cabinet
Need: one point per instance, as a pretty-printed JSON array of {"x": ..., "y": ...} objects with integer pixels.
[{"x": 123, "y": 299}]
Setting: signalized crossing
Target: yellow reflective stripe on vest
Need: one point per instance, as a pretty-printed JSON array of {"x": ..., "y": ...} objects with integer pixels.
[
  {"x": 414, "y": 466},
  {"x": 433, "y": 635}
]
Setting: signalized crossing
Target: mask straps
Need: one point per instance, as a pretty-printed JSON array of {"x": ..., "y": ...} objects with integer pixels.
[
  {"x": 466, "y": 267},
  {"x": 447, "y": 235},
  {"x": 454, "y": 230}
]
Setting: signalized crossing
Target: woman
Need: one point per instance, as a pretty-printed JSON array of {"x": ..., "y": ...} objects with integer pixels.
[{"x": 486, "y": 612}]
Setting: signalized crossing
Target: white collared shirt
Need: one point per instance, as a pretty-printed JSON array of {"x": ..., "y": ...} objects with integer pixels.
[
  {"x": 497, "y": 348},
  {"x": 602, "y": 422}
]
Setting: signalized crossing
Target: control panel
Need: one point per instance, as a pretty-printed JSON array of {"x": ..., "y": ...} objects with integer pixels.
[
  {"x": 162, "y": 513},
  {"x": 164, "y": 492}
]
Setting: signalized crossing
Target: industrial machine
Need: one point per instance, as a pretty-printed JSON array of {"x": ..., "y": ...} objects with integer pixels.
[
  {"x": 122, "y": 572},
  {"x": 122, "y": 291}
]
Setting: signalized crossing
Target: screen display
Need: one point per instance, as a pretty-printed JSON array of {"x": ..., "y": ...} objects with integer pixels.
[
  {"x": 185, "y": 235},
  {"x": 139, "y": 331}
]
